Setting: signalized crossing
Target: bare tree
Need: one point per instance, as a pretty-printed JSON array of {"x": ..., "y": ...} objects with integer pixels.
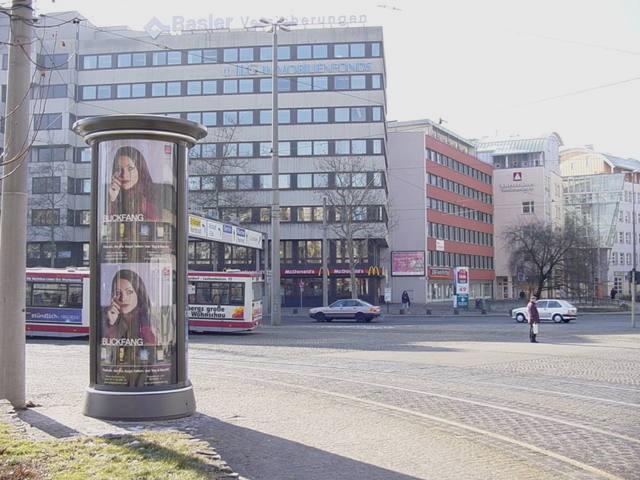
[
  {"x": 47, "y": 199},
  {"x": 211, "y": 197},
  {"x": 356, "y": 204},
  {"x": 543, "y": 253}
]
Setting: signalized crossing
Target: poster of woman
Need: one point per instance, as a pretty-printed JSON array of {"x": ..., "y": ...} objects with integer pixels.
[
  {"x": 137, "y": 337},
  {"x": 138, "y": 176},
  {"x": 137, "y": 191}
]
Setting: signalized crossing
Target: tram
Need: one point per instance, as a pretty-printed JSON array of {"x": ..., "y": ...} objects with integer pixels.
[
  {"x": 57, "y": 301},
  {"x": 225, "y": 301}
]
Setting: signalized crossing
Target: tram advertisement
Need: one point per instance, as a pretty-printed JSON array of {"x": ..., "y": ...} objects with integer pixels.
[{"x": 136, "y": 317}]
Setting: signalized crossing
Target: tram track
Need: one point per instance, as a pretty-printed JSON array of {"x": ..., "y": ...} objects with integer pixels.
[
  {"x": 492, "y": 382},
  {"x": 518, "y": 427}
]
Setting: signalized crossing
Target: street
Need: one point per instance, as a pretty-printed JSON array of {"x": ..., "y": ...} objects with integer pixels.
[{"x": 402, "y": 397}]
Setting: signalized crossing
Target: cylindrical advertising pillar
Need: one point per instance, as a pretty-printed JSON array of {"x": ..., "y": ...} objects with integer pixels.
[{"x": 138, "y": 264}]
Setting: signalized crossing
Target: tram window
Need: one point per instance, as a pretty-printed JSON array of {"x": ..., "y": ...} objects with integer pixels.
[
  {"x": 203, "y": 293},
  {"x": 29, "y": 289},
  {"x": 75, "y": 296},
  {"x": 258, "y": 291},
  {"x": 49, "y": 295},
  {"x": 236, "y": 294},
  {"x": 220, "y": 291}
]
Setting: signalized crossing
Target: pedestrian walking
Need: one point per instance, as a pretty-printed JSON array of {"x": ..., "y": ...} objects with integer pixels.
[
  {"x": 406, "y": 301},
  {"x": 533, "y": 318}
]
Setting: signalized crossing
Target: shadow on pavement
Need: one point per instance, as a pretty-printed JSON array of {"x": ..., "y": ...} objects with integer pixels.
[
  {"x": 46, "y": 424},
  {"x": 259, "y": 456}
]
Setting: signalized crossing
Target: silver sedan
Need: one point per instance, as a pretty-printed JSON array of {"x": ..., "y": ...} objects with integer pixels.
[{"x": 349, "y": 308}]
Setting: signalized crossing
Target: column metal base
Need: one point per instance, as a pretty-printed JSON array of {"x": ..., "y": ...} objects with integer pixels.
[{"x": 148, "y": 405}]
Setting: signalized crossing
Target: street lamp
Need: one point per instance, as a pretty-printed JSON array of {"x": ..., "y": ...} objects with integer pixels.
[{"x": 276, "y": 319}]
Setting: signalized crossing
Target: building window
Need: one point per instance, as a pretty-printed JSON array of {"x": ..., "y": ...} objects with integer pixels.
[
  {"x": 104, "y": 92},
  {"x": 45, "y": 185},
  {"x": 48, "y": 121},
  {"x": 123, "y": 91},
  {"x": 48, "y": 154},
  {"x": 341, "y": 50},
  {"x": 138, "y": 90},
  {"x": 79, "y": 186},
  {"x": 359, "y": 250},
  {"x": 50, "y": 91},
  {"x": 82, "y": 155},
  {"x": 527, "y": 208},
  {"x": 104, "y": 61},
  {"x": 309, "y": 251},
  {"x": 304, "y": 180},
  {"x": 45, "y": 217},
  {"x": 320, "y": 51},
  {"x": 158, "y": 89},
  {"x": 55, "y": 61},
  {"x": 303, "y": 52},
  {"x": 320, "y": 180},
  {"x": 78, "y": 218}
]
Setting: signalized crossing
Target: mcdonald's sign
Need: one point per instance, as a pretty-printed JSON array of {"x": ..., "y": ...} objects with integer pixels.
[
  {"x": 374, "y": 271},
  {"x": 320, "y": 272}
]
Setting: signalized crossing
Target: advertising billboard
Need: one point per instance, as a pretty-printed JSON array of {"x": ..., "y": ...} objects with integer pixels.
[{"x": 408, "y": 264}]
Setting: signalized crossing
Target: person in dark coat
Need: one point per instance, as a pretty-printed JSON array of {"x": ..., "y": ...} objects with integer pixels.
[{"x": 406, "y": 301}]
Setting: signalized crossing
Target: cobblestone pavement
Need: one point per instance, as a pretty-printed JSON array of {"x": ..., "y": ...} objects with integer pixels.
[{"x": 401, "y": 398}]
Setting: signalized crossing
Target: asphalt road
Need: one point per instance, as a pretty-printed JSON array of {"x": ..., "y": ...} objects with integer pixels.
[{"x": 400, "y": 398}]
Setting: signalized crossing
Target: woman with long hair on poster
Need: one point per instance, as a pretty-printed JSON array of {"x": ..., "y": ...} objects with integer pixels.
[
  {"x": 132, "y": 190},
  {"x": 128, "y": 314}
]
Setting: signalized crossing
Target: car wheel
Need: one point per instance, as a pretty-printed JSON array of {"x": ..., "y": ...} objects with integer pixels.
[
  {"x": 320, "y": 317},
  {"x": 520, "y": 318},
  {"x": 360, "y": 317},
  {"x": 557, "y": 318}
]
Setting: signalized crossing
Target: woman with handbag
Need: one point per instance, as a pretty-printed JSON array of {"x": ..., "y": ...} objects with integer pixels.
[{"x": 533, "y": 318}]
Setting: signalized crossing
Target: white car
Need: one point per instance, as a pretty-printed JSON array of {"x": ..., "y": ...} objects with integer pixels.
[
  {"x": 549, "y": 309},
  {"x": 349, "y": 308}
]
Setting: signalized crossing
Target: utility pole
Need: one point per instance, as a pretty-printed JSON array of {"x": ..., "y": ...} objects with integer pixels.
[
  {"x": 276, "y": 310},
  {"x": 325, "y": 254},
  {"x": 13, "y": 209}
]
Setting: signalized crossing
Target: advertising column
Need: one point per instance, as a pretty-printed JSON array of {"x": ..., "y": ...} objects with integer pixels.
[{"x": 138, "y": 266}]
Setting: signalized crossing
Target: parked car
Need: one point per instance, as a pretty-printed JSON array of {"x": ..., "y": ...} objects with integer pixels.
[
  {"x": 549, "y": 309},
  {"x": 347, "y": 308}
]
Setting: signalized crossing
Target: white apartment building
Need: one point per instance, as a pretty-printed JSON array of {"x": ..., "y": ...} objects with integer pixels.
[{"x": 526, "y": 184}]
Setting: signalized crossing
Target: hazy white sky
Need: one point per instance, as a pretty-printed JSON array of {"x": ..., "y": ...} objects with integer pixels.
[{"x": 487, "y": 67}]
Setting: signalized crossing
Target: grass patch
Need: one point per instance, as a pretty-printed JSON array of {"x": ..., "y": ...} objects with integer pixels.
[{"x": 148, "y": 455}]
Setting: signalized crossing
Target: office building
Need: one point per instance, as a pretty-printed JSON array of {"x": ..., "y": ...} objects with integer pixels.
[
  {"x": 602, "y": 190},
  {"x": 332, "y": 137},
  {"x": 441, "y": 204},
  {"x": 526, "y": 186}
]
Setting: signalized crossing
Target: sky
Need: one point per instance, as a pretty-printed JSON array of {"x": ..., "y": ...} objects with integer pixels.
[{"x": 487, "y": 68}]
